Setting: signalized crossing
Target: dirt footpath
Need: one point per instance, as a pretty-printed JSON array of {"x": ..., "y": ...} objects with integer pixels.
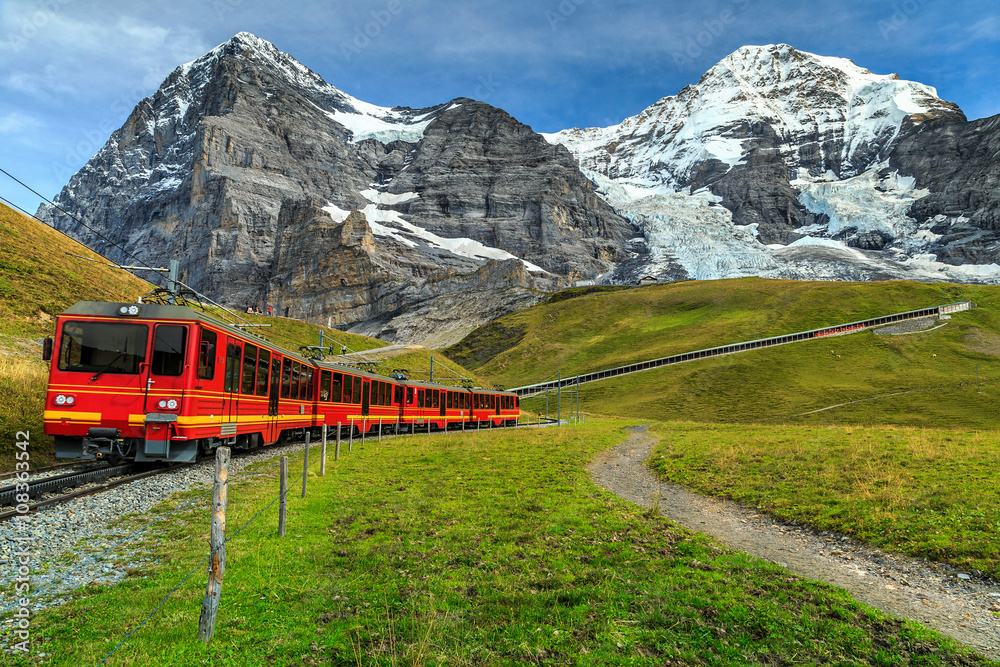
[{"x": 936, "y": 595}]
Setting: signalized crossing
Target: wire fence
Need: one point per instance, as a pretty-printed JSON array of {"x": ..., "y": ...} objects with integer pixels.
[
  {"x": 229, "y": 537},
  {"x": 310, "y": 464}
]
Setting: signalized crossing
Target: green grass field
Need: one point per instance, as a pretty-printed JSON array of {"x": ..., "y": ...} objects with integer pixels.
[
  {"x": 474, "y": 549},
  {"x": 922, "y": 492},
  {"x": 606, "y": 330}
]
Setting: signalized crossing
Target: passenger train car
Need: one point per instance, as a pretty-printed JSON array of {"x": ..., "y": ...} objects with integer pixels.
[{"x": 152, "y": 382}]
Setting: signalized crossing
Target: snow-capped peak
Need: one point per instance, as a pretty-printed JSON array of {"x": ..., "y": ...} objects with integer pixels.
[
  {"x": 363, "y": 119},
  {"x": 822, "y": 113}
]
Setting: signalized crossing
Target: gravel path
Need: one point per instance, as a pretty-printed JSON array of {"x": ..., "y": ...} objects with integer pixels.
[{"x": 940, "y": 597}]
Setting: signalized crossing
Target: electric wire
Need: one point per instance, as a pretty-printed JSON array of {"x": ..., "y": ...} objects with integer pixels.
[{"x": 73, "y": 217}]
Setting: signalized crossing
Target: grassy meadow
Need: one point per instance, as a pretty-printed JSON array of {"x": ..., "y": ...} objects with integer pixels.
[
  {"x": 608, "y": 329},
  {"x": 922, "y": 492},
  {"x": 475, "y": 549}
]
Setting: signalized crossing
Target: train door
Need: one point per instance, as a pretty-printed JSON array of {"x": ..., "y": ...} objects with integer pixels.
[
  {"x": 272, "y": 395},
  {"x": 231, "y": 389},
  {"x": 164, "y": 375},
  {"x": 366, "y": 401},
  {"x": 165, "y": 379}
]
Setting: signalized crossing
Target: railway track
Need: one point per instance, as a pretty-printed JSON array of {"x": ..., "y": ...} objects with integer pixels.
[
  {"x": 59, "y": 466},
  {"x": 105, "y": 478}
]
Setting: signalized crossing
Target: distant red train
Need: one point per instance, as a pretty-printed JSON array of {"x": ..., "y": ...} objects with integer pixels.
[{"x": 151, "y": 382}]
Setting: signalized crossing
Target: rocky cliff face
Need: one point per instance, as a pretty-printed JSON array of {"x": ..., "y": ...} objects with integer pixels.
[
  {"x": 246, "y": 166},
  {"x": 956, "y": 163}
]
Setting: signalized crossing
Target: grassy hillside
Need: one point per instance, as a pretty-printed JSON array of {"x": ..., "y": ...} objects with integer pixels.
[
  {"x": 39, "y": 278},
  {"x": 597, "y": 331}
]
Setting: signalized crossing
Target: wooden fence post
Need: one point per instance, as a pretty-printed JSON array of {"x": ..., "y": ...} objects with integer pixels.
[
  {"x": 305, "y": 465},
  {"x": 217, "y": 559},
  {"x": 380, "y": 429},
  {"x": 350, "y": 438},
  {"x": 283, "y": 497},
  {"x": 364, "y": 430},
  {"x": 322, "y": 460},
  {"x": 336, "y": 452}
]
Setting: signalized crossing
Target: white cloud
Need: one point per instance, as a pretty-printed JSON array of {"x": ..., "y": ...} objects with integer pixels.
[
  {"x": 61, "y": 49},
  {"x": 15, "y": 123}
]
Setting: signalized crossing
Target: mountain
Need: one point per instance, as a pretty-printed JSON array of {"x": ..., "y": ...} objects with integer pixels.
[
  {"x": 273, "y": 187},
  {"x": 781, "y": 163}
]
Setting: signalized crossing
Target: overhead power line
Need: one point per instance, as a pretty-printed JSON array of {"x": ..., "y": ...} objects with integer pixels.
[{"x": 71, "y": 216}]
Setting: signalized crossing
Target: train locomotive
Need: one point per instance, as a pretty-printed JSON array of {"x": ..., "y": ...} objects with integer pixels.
[{"x": 168, "y": 382}]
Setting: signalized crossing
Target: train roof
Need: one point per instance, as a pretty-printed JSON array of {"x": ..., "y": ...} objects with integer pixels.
[
  {"x": 346, "y": 368},
  {"x": 157, "y": 311}
]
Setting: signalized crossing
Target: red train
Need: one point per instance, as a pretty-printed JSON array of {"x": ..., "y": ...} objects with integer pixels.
[{"x": 151, "y": 382}]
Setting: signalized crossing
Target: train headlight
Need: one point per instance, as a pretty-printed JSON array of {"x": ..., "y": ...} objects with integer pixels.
[
  {"x": 70, "y": 400},
  {"x": 63, "y": 399},
  {"x": 60, "y": 400},
  {"x": 171, "y": 404},
  {"x": 166, "y": 404},
  {"x": 129, "y": 310},
  {"x": 162, "y": 405}
]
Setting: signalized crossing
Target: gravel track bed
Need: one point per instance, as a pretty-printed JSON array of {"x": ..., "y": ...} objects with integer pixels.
[
  {"x": 64, "y": 539},
  {"x": 958, "y": 604}
]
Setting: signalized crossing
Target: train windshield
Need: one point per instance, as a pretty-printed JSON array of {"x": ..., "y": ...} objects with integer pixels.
[{"x": 103, "y": 347}]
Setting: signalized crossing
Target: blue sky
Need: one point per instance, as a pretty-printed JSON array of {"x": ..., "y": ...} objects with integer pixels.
[{"x": 72, "y": 70}]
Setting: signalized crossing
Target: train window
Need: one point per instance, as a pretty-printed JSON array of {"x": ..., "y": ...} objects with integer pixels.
[
  {"x": 263, "y": 365},
  {"x": 517, "y": 401},
  {"x": 249, "y": 368},
  {"x": 324, "y": 386},
  {"x": 206, "y": 354},
  {"x": 348, "y": 389},
  {"x": 420, "y": 398},
  {"x": 98, "y": 347},
  {"x": 286, "y": 377},
  {"x": 338, "y": 387},
  {"x": 169, "y": 345},
  {"x": 307, "y": 395},
  {"x": 233, "y": 355},
  {"x": 357, "y": 390},
  {"x": 410, "y": 398},
  {"x": 437, "y": 398},
  {"x": 295, "y": 380},
  {"x": 379, "y": 392},
  {"x": 397, "y": 394}
]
